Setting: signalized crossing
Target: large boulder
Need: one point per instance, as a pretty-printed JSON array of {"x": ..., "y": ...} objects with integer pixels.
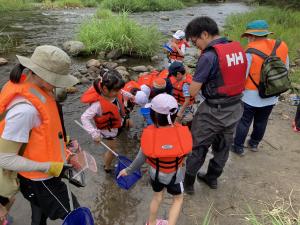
[
  {"x": 139, "y": 69},
  {"x": 73, "y": 48},
  {"x": 3, "y": 61},
  {"x": 93, "y": 63},
  {"x": 114, "y": 54}
]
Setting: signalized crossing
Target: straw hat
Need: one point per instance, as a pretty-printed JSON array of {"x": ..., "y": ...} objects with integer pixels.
[{"x": 51, "y": 64}]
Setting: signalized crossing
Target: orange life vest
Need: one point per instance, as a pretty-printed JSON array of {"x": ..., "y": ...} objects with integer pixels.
[
  {"x": 131, "y": 85},
  {"x": 266, "y": 46},
  {"x": 148, "y": 78},
  {"x": 174, "y": 55},
  {"x": 166, "y": 147},
  {"x": 177, "y": 88},
  {"x": 44, "y": 144},
  {"x": 111, "y": 114}
]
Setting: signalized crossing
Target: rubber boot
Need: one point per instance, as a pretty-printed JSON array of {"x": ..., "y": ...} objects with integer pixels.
[{"x": 188, "y": 184}]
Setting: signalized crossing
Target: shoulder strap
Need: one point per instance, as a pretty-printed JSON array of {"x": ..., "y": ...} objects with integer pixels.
[
  {"x": 276, "y": 46},
  {"x": 251, "y": 78},
  {"x": 257, "y": 52}
]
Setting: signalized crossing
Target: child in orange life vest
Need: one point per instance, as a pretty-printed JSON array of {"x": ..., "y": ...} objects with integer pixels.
[
  {"x": 163, "y": 146},
  {"x": 178, "y": 45},
  {"x": 181, "y": 91},
  {"x": 106, "y": 110}
]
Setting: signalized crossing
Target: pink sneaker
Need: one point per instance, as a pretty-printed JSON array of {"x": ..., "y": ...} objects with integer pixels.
[{"x": 160, "y": 222}]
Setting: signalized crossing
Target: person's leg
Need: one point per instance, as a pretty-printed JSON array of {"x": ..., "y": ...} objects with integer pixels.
[
  {"x": 297, "y": 118},
  {"x": 154, "y": 206},
  {"x": 242, "y": 129},
  {"x": 175, "y": 209},
  {"x": 108, "y": 156},
  {"x": 261, "y": 117},
  {"x": 37, "y": 216}
]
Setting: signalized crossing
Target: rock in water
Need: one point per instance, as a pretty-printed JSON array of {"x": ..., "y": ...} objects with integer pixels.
[
  {"x": 110, "y": 65},
  {"x": 114, "y": 54},
  {"x": 73, "y": 48},
  {"x": 3, "y": 61},
  {"x": 139, "y": 69},
  {"x": 93, "y": 63},
  {"x": 165, "y": 18}
]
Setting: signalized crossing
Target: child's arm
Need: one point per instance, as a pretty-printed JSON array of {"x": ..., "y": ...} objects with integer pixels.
[
  {"x": 139, "y": 160},
  {"x": 87, "y": 116}
]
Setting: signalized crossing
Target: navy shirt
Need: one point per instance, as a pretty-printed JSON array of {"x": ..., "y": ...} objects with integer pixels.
[{"x": 208, "y": 64}]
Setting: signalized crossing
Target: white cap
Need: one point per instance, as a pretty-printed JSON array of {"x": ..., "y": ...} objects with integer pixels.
[
  {"x": 164, "y": 104},
  {"x": 179, "y": 35},
  {"x": 141, "y": 98},
  {"x": 146, "y": 90}
]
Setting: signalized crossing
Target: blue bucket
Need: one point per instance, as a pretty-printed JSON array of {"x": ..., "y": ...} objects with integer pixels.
[
  {"x": 145, "y": 112},
  {"x": 79, "y": 216},
  {"x": 126, "y": 182}
]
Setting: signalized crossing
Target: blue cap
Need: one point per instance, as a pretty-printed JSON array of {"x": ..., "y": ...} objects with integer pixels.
[{"x": 257, "y": 28}]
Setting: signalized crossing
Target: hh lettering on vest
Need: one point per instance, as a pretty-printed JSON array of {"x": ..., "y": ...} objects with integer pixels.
[{"x": 235, "y": 58}]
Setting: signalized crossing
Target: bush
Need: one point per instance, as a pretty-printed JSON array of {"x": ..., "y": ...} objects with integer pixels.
[
  {"x": 103, "y": 13},
  {"x": 119, "y": 32},
  {"x": 68, "y": 3},
  {"x": 89, "y": 3},
  {"x": 13, "y": 5},
  {"x": 284, "y": 24},
  {"x": 141, "y": 5}
]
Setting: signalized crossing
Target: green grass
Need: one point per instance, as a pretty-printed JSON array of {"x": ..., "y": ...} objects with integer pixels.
[
  {"x": 119, "y": 32},
  {"x": 141, "y": 5},
  {"x": 103, "y": 13},
  {"x": 14, "y": 5},
  {"x": 68, "y": 3}
]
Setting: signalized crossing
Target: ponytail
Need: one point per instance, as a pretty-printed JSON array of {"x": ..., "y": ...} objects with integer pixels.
[{"x": 15, "y": 74}]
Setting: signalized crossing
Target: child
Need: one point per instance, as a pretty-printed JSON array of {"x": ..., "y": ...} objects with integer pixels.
[
  {"x": 181, "y": 91},
  {"x": 106, "y": 109},
  {"x": 163, "y": 146},
  {"x": 178, "y": 45}
]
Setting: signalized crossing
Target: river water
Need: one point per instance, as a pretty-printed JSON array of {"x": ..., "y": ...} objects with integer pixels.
[{"x": 109, "y": 204}]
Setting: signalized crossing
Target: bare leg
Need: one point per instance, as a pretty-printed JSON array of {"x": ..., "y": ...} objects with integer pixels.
[
  {"x": 175, "y": 209},
  {"x": 108, "y": 156},
  {"x": 154, "y": 206}
]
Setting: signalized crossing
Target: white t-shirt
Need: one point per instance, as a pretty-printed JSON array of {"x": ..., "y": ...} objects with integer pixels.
[{"x": 19, "y": 120}]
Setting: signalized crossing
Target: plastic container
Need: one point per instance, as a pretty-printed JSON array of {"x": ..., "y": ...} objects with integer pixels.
[
  {"x": 79, "y": 216},
  {"x": 126, "y": 182},
  {"x": 145, "y": 112}
]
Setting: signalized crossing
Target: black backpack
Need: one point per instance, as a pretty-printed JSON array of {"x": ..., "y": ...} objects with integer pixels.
[{"x": 274, "y": 78}]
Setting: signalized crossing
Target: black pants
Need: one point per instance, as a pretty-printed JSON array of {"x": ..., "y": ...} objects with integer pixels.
[
  {"x": 297, "y": 117},
  {"x": 43, "y": 203},
  {"x": 212, "y": 127},
  {"x": 259, "y": 116}
]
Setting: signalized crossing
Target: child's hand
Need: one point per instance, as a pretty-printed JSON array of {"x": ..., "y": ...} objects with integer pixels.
[
  {"x": 122, "y": 173},
  {"x": 97, "y": 139}
]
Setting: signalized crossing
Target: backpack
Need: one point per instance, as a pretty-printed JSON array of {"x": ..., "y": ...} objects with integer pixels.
[{"x": 274, "y": 78}]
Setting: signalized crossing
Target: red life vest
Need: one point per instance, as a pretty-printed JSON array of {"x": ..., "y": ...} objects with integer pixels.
[
  {"x": 148, "y": 78},
  {"x": 174, "y": 55},
  {"x": 131, "y": 85},
  {"x": 112, "y": 114},
  {"x": 177, "y": 88},
  {"x": 231, "y": 77},
  {"x": 166, "y": 147}
]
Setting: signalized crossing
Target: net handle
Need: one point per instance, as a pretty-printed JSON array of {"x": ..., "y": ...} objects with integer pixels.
[{"x": 101, "y": 142}]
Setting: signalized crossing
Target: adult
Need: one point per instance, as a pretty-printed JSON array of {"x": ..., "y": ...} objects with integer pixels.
[
  {"x": 256, "y": 108},
  {"x": 220, "y": 74},
  {"x": 32, "y": 140}
]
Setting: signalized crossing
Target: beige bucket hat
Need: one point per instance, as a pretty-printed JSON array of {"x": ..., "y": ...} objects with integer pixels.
[{"x": 51, "y": 64}]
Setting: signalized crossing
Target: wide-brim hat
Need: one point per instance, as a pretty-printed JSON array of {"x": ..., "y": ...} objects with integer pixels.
[
  {"x": 179, "y": 35},
  {"x": 51, "y": 64},
  {"x": 258, "y": 28}
]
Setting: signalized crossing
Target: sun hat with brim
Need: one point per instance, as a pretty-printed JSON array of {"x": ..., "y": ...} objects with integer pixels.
[
  {"x": 257, "y": 28},
  {"x": 164, "y": 104},
  {"x": 50, "y": 64},
  {"x": 179, "y": 35}
]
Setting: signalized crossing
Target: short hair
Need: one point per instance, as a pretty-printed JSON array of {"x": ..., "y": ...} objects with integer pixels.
[{"x": 199, "y": 25}]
